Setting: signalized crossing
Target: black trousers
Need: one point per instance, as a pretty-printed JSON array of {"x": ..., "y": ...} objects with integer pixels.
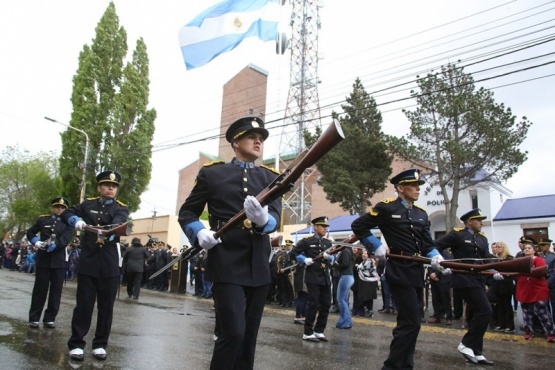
[
  {"x": 89, "y": 290},
  {"x": 286, "y": 289},
  {"x": 458, "y": 304},
  {"x": 134, "y": 283},
  {"x": 441, "y": 300},
  {"x": 48, "y": 283},
  {"x": 505, "y": 315},
  {"x": 409, "y": 301},
  {"x": 239, "y": 311},
  {"x": 479, "y": 313},
  {"x": 319, "y": 302}
]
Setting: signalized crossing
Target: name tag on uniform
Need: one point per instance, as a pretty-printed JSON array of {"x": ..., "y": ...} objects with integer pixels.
[
  {"x": 395, "y": 216},
  {"x": 468, "y": 241},
  {"x": 93, "y": 211},
  {"x": 313, "y": 245}
]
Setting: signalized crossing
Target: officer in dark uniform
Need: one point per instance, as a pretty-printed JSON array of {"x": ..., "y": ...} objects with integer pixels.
[
  {"x": 469, "y": 242},
  {"x": 238, "y": 263},
  {"x": 317, "y": 279},
  {"x": 50, "y": 263},
  {"x": 286, "y": 288},
  {"x": 406, "y": 229},
  {"x": 549, "y": 257},
  {"x": 98, "y": 271}
]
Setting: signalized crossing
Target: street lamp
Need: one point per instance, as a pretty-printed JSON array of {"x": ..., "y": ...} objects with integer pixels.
[{"x": 84, "y": 178}]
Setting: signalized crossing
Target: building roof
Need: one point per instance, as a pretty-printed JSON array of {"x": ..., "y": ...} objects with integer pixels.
[
  {"x": 525, "y": 208},
  {"x": 337, "y": 224}
]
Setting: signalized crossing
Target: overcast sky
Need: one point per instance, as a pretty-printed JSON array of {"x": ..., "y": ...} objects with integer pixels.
[{"x": 383, "y": 43}]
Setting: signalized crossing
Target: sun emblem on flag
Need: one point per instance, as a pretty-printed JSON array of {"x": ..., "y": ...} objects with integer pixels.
[{"x": 237, "y": 22}]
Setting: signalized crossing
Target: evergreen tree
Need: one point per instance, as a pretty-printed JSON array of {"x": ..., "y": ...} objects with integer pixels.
[
  {"x": 461, "y": 135},
  {"x": 110, "y": 103},
  {"x": 360, "y": 165}
]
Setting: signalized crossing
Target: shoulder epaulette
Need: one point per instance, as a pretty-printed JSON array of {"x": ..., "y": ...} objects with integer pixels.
[
  {"x": 327, "y": 239},
  {"x": 458, "y": 228},
  {"x": 93, "y": 198},
  {"x": 213, "y": 163},
  {"x": 417, "y": 206},
  {"x": 47, "y": 215},
  {"x": 481, "y": 233},
  {"x": 306, "y": 237},
  {"x": 121, "y": 203},
  {"x": 388, "y": 200},
  {"x": 271, "y": 169}
]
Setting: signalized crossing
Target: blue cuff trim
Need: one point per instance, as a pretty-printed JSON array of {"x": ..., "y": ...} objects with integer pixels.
[
  {"x": 51, "y": 247},
  {"x": 432, "y": 253},
  {"x": 191, "y": 231},
  {"x": 371, "y": 242},
  {"x": 72, "y": 220},
  {"x": 300, "y": 258},
  {"x": 270, "y": 225},
  {"x": 34, "y": 240}
]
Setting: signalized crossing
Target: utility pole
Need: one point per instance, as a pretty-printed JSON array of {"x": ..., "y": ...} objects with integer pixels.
[{"x": 85, "y": 161}]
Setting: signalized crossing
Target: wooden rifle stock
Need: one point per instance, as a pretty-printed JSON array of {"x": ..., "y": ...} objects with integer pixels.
[
  {"x": 337, "y": 248},
  {"x": 521, "y": 265},
  {"x": 329, "y": 139},
  {"x": 277, "y": 241},
  {"x": 120, "y": 230}
]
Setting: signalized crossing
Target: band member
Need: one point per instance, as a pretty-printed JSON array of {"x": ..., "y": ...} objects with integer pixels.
[
  {"x": 98, "y": 271},
  {"x": 406, "y": 229},
  {"x": 237, "y": 263},
  {"x": 317, "y": 279},
  {"x": 50, "y": 263},
  {"x": 469, "y": 242}
]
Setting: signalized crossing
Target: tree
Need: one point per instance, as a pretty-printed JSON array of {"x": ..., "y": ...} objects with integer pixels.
[
  {"x": 359, "y": 166},
  {"x": 110, "y": 103},
  {"x": 28, "y": 183},
  {"x": 460, "y": 135}
]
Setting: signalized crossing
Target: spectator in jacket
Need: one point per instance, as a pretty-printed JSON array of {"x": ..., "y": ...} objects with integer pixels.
[{"x": 134, "y": 259}]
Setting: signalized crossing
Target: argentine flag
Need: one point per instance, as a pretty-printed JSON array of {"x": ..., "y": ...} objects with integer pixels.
[{"x": 225, "y": 25}]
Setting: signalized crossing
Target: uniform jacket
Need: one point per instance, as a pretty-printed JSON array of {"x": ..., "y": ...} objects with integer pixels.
[
  {"x": 242, "y": 257},
  {"x": 466, "y": 244},
  {"x": 406, "y": 230},
  {"x": 529, "y": 289},
  {"x": 45, "y": 226},
  {"x": 98, "y": 260},
  {"x": 312, "y": 246},
  {"x": 134, "y": 258},
  {"x": 549, "y": 258}
]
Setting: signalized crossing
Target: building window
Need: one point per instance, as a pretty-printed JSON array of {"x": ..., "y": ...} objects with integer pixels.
[
  {"x": 474, "y": 198},
  {"x": 536, "y": 233}
]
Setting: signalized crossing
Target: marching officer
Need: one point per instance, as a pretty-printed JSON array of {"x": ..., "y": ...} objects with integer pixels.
[
  {"x": 98, "y": 271},
  {"x": 283, "y": 261},
  {"x": 50, "y": 263},
  {"x": 317, "y": 279},
  {"x": 237, "y": 264},
  {"x": 406, "y": 229},
  {"x": 470, "y": 243}
]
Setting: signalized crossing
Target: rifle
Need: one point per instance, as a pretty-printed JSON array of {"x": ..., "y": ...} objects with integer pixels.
[
  {"x": 280, "y": 186},
  {"x": 521, "y": 265},
  {"x": 105, "y": 231},
  {"x": 335, "y": 248},
  {"x": 277, "y": 241},
  {"x": 537, "y": 272}
]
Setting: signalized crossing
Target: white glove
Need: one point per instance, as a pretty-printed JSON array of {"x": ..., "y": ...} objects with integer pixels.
[
  {"x": 206, "y": 239},
  {"x": 327, "y": 256},
  {"x": 381, "y": 251},
  {"x": 435, "y": 262},
  {"x": 498, "y": 276},
  {"x": 447, "y": 271},
  {"x": 80, "y": 225},
  {"x": 308, "y": 261},
  {"x": 255, "y": 212},
  {"x": 39, "y": 245}
]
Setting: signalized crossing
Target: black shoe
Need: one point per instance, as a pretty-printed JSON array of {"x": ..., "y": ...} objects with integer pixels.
[
  {"x": 484, "y": 361},
  {"x": 49, "y": 324},
  {"x": 135, "y": 297},
  {"x": 298, "y": 321},
  {"x": 34, "y": 325}
]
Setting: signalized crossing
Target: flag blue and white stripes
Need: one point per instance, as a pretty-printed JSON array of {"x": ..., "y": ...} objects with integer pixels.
[{"x": 225, "y": 25}]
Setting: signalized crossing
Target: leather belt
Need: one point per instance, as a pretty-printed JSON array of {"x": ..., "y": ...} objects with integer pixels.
[{"x": 240, "y": 225}]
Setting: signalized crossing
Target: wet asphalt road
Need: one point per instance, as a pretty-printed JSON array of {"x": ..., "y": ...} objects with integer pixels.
[{"x": 174, "y": 331}]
